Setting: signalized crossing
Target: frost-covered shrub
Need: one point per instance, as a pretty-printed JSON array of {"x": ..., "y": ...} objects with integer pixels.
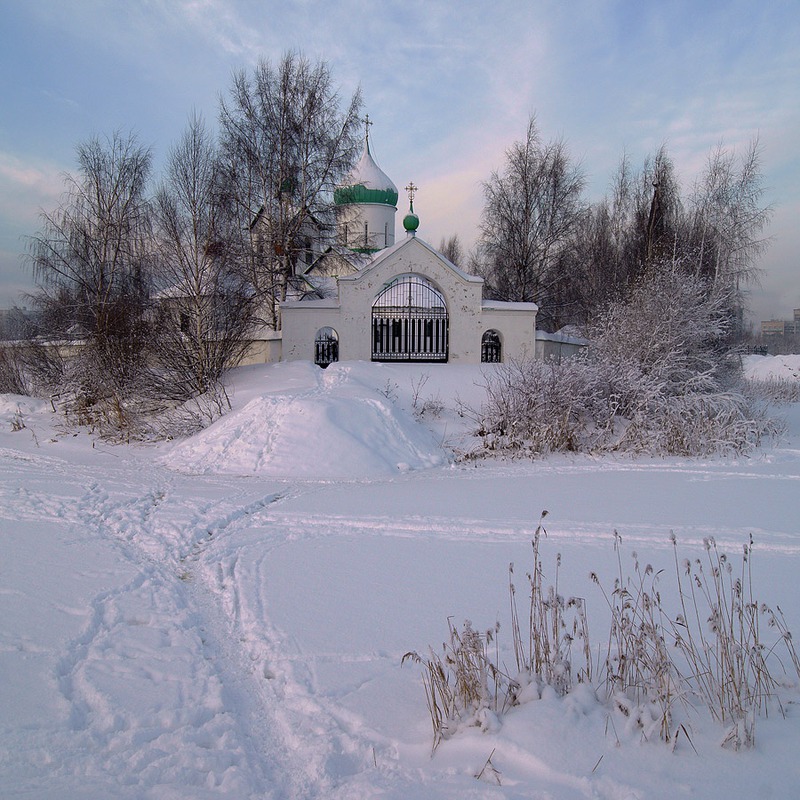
[
  {"x": 658, "y": 378},
  {"x": 589, "y": 406},
  {"x": 144, "y": 415},
  {"x": 29, "y": 368},
  {"x": 535, "y": 407},
  {"x": 774, "y": 390},
  {"x": 671, "y": 329}
]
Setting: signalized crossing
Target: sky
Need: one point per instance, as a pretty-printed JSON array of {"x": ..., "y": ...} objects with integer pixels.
[{"x": 449, "y": 87}]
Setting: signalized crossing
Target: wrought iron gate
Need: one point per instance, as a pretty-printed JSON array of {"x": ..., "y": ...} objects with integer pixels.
[
  {"x": 326, "y": 347},
  {"x": 409, "y": 322}
]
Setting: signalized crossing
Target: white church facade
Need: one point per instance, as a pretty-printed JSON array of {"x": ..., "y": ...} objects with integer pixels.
[{"x": 394, "y": 301}]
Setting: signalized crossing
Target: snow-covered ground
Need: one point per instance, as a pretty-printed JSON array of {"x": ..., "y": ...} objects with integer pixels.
[{"x": 226, "y": 616}]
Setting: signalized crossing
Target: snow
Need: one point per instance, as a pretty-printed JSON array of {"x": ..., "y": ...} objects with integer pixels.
[
  {"x": 225, "y": 616},
  {"x": 368, "y": 174},
  {"x": 775, "y": 367},
  {"x": 330, "y": 425}
]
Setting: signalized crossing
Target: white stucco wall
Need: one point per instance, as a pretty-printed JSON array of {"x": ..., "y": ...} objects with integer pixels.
[
  {"x": 516, "y": 324},
  {"x": 264, "y": 348},
  {"x": 301, "y": 320},
  {"x": 558, "y": 346}
]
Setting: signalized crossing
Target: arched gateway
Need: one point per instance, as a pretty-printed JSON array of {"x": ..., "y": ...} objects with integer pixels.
[{"x": 410, "y": 322}]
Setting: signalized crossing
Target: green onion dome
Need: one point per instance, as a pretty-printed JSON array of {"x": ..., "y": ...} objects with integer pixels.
[
  {"x": 411, "y": 221},
  {"x": 367, "y": 183}
]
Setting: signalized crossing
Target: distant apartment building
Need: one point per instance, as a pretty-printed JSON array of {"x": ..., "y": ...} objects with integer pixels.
[
  {"x": 775, "y": 327},
  {"x": 781, "y": 327}
]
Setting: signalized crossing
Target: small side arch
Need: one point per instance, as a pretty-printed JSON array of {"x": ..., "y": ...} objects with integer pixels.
[
  {"x": 326, "y": 347},
  {"x": 491, "y": 347}
]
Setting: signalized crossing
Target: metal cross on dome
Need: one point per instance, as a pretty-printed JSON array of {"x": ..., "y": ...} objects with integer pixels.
[
  {"x": 367, "y": 123},
  {"x": 411, "y": 189}
]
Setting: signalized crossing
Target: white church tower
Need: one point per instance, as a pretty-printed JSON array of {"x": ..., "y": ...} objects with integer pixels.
[{"x": 366, "y": 204}]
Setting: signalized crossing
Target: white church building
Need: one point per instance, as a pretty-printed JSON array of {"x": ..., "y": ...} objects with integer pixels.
[{"x": 395, "y": 301}]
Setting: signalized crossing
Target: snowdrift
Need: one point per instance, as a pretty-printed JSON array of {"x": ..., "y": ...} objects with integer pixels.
[
  {"x": 765, "y": 368},
  {"x": 331, "y": 424}
]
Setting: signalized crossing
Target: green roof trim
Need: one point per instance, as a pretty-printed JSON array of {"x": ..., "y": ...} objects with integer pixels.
[{"x": 348, "y": 195}]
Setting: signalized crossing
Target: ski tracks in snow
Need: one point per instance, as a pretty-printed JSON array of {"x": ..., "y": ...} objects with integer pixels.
[
  {"x": 322, "y": 746},
  {"x": 162, "y": 682},
  {"x": 181, "y": 678},
  {"x": 151, "y": 701}
]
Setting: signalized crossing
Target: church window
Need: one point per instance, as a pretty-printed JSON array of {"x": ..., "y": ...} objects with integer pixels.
[{"x": 491, "y": 348}]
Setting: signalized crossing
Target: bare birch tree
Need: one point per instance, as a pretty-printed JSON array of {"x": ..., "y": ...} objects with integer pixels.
[
  {"x": 90, "y": 258},
  {"x": 531, "y": 209},
  {"x": 728, "y": 220},
  {"x": 204, "y": 304},
  {"x": 287, "y": 143}
]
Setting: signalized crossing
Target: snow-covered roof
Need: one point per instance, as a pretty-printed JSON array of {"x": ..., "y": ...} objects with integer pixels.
[
  {"x": 382, "y": 255},
  {"x": 503, "y": 305},
  {"x": 367, "y": 183},
  {"x": 338, "y": 253}
]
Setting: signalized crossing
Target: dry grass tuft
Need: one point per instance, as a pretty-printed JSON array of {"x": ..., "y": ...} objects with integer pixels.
[{"x": 713, "y": 652}]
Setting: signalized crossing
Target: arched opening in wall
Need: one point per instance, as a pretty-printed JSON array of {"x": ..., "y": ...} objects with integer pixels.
[
  {"x": 326, "y": 347},
  {"x": 410, "y": 322},
  {"x": 491, "y": 347}
]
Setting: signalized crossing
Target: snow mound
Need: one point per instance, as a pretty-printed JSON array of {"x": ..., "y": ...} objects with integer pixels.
[
  {"x": 330, "y": 426},
  {"x": 765, "y": 368}
]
